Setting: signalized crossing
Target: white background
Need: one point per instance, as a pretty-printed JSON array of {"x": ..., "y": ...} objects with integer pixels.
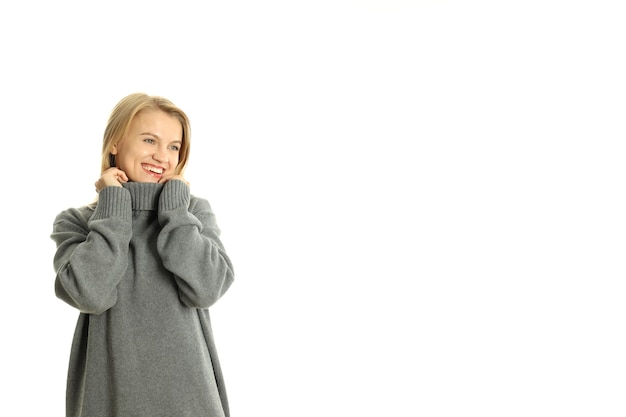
[{"x": 424, "y": 201}]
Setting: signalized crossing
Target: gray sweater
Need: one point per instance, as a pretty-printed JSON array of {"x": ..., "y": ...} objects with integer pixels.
[{"x": 142, "y": 266}]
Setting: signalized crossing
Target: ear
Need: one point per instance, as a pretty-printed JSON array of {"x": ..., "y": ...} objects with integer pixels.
[{"x": 114, "y": 149}]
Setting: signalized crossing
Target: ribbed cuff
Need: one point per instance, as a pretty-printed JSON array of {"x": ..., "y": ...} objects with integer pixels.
[
  {"x": 175, "y": 194},
  {"x": 113, "y": 202}
]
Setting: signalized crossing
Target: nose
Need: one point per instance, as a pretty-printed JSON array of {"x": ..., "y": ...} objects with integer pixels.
[{"x": 160, "y": 155}]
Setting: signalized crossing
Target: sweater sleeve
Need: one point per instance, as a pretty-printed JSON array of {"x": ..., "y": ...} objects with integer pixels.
[
  {"x": 92, "y": 254},
  {"x": 190, "y": 247}
]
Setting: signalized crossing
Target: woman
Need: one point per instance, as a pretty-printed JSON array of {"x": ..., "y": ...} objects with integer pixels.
[{"x": 142, "y": 265}]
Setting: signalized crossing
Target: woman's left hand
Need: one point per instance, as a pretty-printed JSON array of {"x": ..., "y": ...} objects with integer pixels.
[{"x": 167, "y": 178}]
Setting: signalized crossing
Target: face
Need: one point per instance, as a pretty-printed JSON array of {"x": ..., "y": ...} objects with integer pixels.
[{"x": 150, "y": 148}]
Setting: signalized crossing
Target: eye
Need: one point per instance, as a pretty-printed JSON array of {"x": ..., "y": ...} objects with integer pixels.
[
  {"x": 149, "y": 140},
  {"x": 175, "y": 148}
]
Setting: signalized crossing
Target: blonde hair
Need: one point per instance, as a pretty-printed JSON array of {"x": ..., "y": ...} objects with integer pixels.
[{"x": 122, "y": 116}]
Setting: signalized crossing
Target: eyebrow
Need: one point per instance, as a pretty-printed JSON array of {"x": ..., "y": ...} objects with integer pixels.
[{"x": 159, "y": 137}]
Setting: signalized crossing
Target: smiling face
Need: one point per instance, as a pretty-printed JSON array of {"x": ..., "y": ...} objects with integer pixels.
[{"x": 150, "y": 149}]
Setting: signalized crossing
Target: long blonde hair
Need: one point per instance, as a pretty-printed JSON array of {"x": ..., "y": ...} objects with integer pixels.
[{"x": 122, "y": 116}]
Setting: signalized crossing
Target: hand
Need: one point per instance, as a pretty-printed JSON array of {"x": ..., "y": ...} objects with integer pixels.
[
  {"x": 167, "y": 178},
  {"x": 111, "y": 177}
]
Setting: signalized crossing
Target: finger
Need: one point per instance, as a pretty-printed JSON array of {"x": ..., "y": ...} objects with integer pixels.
[{"x": 165, "y": 179}]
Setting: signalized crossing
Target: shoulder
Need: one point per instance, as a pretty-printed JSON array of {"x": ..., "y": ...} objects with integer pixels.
[
  {"x": 199, "y": 205},
  {"x": 78, "y": 216},
  {"x": 201, "y": 209}
]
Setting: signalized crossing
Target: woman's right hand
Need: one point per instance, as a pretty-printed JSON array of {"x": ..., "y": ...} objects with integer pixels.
[{"x": 111, "y": 177}]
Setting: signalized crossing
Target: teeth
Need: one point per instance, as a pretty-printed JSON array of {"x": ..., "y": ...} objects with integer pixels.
[{"x": 153, "y": 169}]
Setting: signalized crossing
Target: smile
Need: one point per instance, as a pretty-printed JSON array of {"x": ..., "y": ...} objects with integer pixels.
[{"x": 152, "y": 170}]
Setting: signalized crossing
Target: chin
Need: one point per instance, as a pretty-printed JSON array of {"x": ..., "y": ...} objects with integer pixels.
[{"x": 148, "y": 178}]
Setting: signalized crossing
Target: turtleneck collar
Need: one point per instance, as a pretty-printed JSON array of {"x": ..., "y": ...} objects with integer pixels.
[{"x": 144, "y": 195}]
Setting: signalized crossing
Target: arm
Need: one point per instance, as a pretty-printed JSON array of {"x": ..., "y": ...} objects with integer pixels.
[
  {"x": 190, "y": 247},
  {"x": 92, "y": 255}
]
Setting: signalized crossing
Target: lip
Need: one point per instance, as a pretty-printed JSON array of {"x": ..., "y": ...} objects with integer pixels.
[{"x": 152, "y": 173}]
